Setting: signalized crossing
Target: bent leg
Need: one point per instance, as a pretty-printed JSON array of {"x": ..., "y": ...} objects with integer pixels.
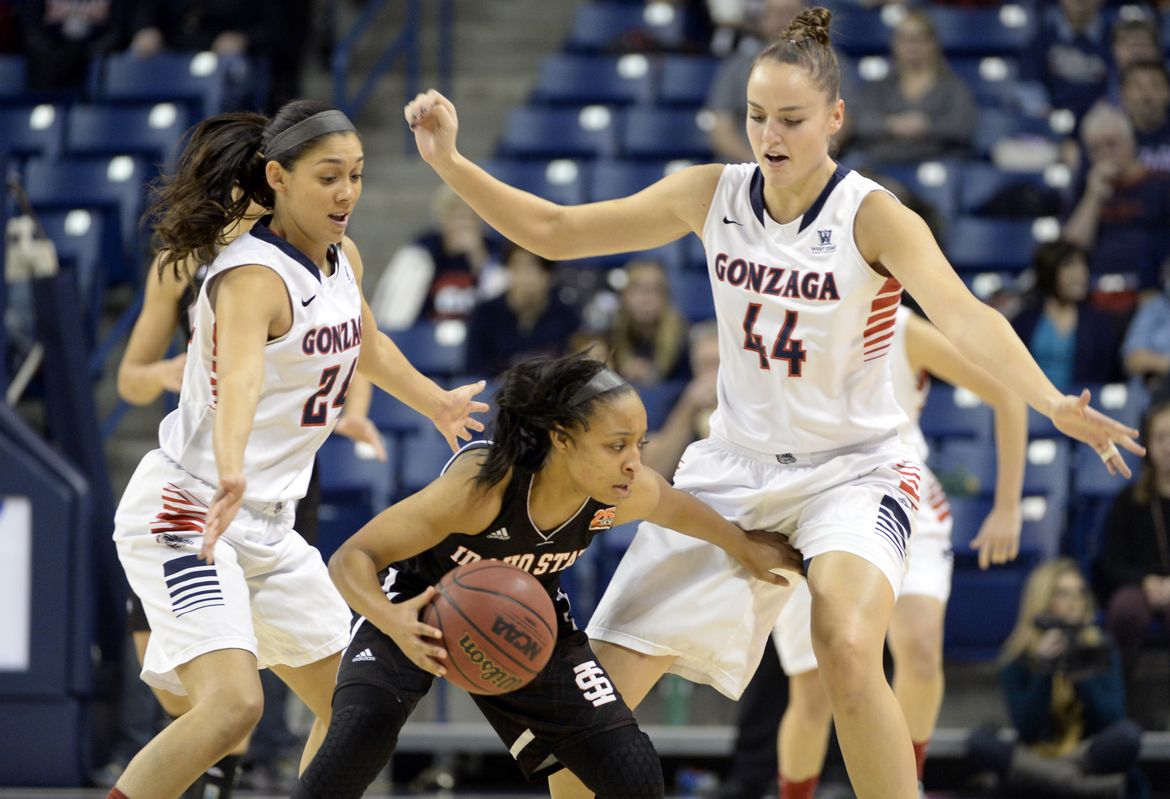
[
  {"x": 618, "y": 764},
  {"x": 633, "y": 674},
  {"x": 804, "y": 729},
  {"x": 226, "y": 702},
  {"x": 852, "y": 602},
  {"x": 313, "y": 683}
]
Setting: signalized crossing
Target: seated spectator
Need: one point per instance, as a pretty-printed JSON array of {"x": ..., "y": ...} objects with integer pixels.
[
  {"x": 690, "y": 418},
  {"x": 1070, "y": 55},
  {"x": 727, "y": 99},
  {"x": 528, "y": 320},
  {"x": 921, "y": 110},
  {"x": 649, "y": 333},
  {"x": 1061, "y": 677},
  {"x": 61, "y": 36},
  {"x": 1122, "y": 212},
  {"x": 1134, "y": 566},
  {"x": 1073, "y": 342},
  {"x": 1146, "y": 348},
  {"x": 1133, "y": 40},
  {"x": 224, "y": 27},
  {"x": 1145, "y": 96},
  {"x": 442, "y": 272}
]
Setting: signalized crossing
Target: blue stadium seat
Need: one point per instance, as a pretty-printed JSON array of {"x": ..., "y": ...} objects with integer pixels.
[
  {"x": 77, "y": 236},
  {"x": 990, "y": 245},
  {"x": 561, "y": 181},
  {"x": 575, "y": 79},
  {"x": 598, "y": 27},
  {"x": 984, "y": 31},
  {"x": 692, "y": 295},
  {"x": 686, "y": 79},
  {"x": 423, "y": 456},
  {"x": 862, "y": 31},
  {"x": 994, "y": 125},
  {"x": 394, "y": 417},
  {"x": 937, "y": 182},
  {"x": 433, "y": 348},
  {"x": 983, "y": 189},
  {"x": 152, "y": 131},
  {"x": 199, "y": 79},
  {"x": 972, "y": 464},
  {"x": 944, "y": 418},
  {"x": 1125, "y": 402},
  {"x": 113, "y": 186},
  {"x": 659, "y": 401},
  {"x": 665, "y": 134},
  {"x": 13, "y": 78},
  {"x": 982, "y": 611},
  {"x": 613, "y": 178},
  {"x": 353, "y": 490},
  {"x": 992, "y": 79},
  {"x": 537, "y": 132},
  {"x": 31, "y": 130}
]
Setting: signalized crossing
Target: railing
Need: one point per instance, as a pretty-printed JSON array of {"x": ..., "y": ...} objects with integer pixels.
[{"x": 406, "y": 46}]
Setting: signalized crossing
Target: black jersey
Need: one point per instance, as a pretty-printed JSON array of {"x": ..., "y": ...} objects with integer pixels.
[{"x": 511, "y": 537}]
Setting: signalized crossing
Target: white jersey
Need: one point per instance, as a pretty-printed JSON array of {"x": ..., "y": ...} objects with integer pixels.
[
  {"x": 307, "y": 372},
  {"x": 910, "y": 387},
  {"x": 805, "y": 324}
]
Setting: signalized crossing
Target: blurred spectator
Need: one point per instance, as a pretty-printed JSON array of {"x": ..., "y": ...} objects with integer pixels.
[
  {"x": 1146, "y": 348},
  {"x": 440, "y": 274},
  {"x": 690, "y": 418},
  {"x": 527, "y": 320},
  {"x": 1135, "y": 562},
  {"x": 1061, "y": 677},
  {"x": 1073, "y": 342},
  {"x": 1133, "y": 40},
  {"x": 921, "y": 109},
  {"x": 61, "y": 36},
  {"x": 649, "y": 334},
  {"x": 1122, "y": 212},
  {"x": 224, "y": 27},
  {"x": 727, "y": 98},
  {"x": 1145, "y": 96},
  {"x": 1070, "y": 56}
]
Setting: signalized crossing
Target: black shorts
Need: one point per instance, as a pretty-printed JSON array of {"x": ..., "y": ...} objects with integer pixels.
[
  {"x": 571, "y": 700},
  {"x": 308, "y": 508},
  {"x": 136, "y": 615}
]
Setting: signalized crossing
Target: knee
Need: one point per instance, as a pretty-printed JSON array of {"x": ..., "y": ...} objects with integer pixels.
[
  {"x": 237, "y": 710},
  {"x": 845, "y": 654},
  {"x": 918, "y": 654},
  {"x": 620, "y": 764},
  {"x": 1129, "y": 740}
]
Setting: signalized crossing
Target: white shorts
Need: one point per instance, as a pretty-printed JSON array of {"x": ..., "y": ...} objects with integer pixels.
[
  {"x": 928, "y": 573},
  {"x": 676, "y": 595},
  {"x": 268, "y": 591}
]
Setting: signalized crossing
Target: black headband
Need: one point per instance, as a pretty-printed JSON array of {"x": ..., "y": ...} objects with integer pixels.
[
  {"x": 307, "y": 129},
  {"x": 604, "y": 381}
]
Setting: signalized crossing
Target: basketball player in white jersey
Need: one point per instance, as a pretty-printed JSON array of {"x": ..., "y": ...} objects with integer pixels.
[
  {"x": 917, "y": 351},
  {"x": 807, "y": 263},
  {"x": 204, "y": 529}
]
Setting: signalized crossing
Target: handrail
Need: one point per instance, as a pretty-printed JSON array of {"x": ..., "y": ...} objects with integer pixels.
[{"x": 406, "y": 45}]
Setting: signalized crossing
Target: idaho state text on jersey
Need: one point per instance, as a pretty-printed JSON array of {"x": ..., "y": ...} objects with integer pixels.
[
  {"x": 775, "y": 281},
  {"x": 546, "y": 563}
]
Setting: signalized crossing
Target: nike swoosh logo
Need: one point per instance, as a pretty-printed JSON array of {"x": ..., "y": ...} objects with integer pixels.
[
  {"x": 305, "y": 303},
  {"x": 729, "y": 221}
]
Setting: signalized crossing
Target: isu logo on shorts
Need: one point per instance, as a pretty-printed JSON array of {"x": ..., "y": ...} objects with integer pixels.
[{"x": 603, "y": 519}]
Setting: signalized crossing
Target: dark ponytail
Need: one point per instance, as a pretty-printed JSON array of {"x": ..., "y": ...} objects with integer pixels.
[
  {"x": 217, "y": 175},
  {"x": 535, "y": 398},
  {"x": 805, "y": 43}
]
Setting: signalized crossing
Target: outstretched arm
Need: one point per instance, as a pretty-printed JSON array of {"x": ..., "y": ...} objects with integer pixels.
[
  {"x": 144, "y": 373},
  {"x": 668, "y": 210},
  {"x": 897, "y": 239},
  {"x": 999, "y": 536},
  {"x": 761, "y": 553}
]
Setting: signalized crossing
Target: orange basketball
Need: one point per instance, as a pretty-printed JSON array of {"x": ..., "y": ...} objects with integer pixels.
[{"x": 499, "y": 626}]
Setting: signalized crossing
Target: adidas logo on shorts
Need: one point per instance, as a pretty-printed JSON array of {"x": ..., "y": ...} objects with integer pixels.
[
  {"x": 499, "y": 535},
  {"x": 365, "y": 654}
]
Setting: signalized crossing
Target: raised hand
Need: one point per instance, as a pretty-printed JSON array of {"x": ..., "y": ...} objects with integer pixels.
[
  {"x": 433, "y": 119},
  {"x": 454, "y": 420},
  {"x": 1073, "y": 417},
  {"x": 224, "y": 506}
]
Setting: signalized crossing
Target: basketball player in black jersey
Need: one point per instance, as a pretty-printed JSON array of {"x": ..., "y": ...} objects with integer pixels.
[{"x": 564, "y": 467}]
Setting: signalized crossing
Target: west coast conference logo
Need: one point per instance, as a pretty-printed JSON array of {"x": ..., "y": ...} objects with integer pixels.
[{"x": 826, "y": 246}]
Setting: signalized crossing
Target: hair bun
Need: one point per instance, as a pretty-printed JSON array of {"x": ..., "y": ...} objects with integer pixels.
[{"x": 810, "y": 24}]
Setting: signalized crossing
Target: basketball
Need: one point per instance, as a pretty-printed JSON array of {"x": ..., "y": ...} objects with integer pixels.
[{"x": 499, "y": 626}]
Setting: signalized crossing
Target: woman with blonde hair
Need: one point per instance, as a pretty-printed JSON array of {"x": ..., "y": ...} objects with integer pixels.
[
  {"x": 1061, "y": 676},
  {"x": 649, "y": 335}
]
